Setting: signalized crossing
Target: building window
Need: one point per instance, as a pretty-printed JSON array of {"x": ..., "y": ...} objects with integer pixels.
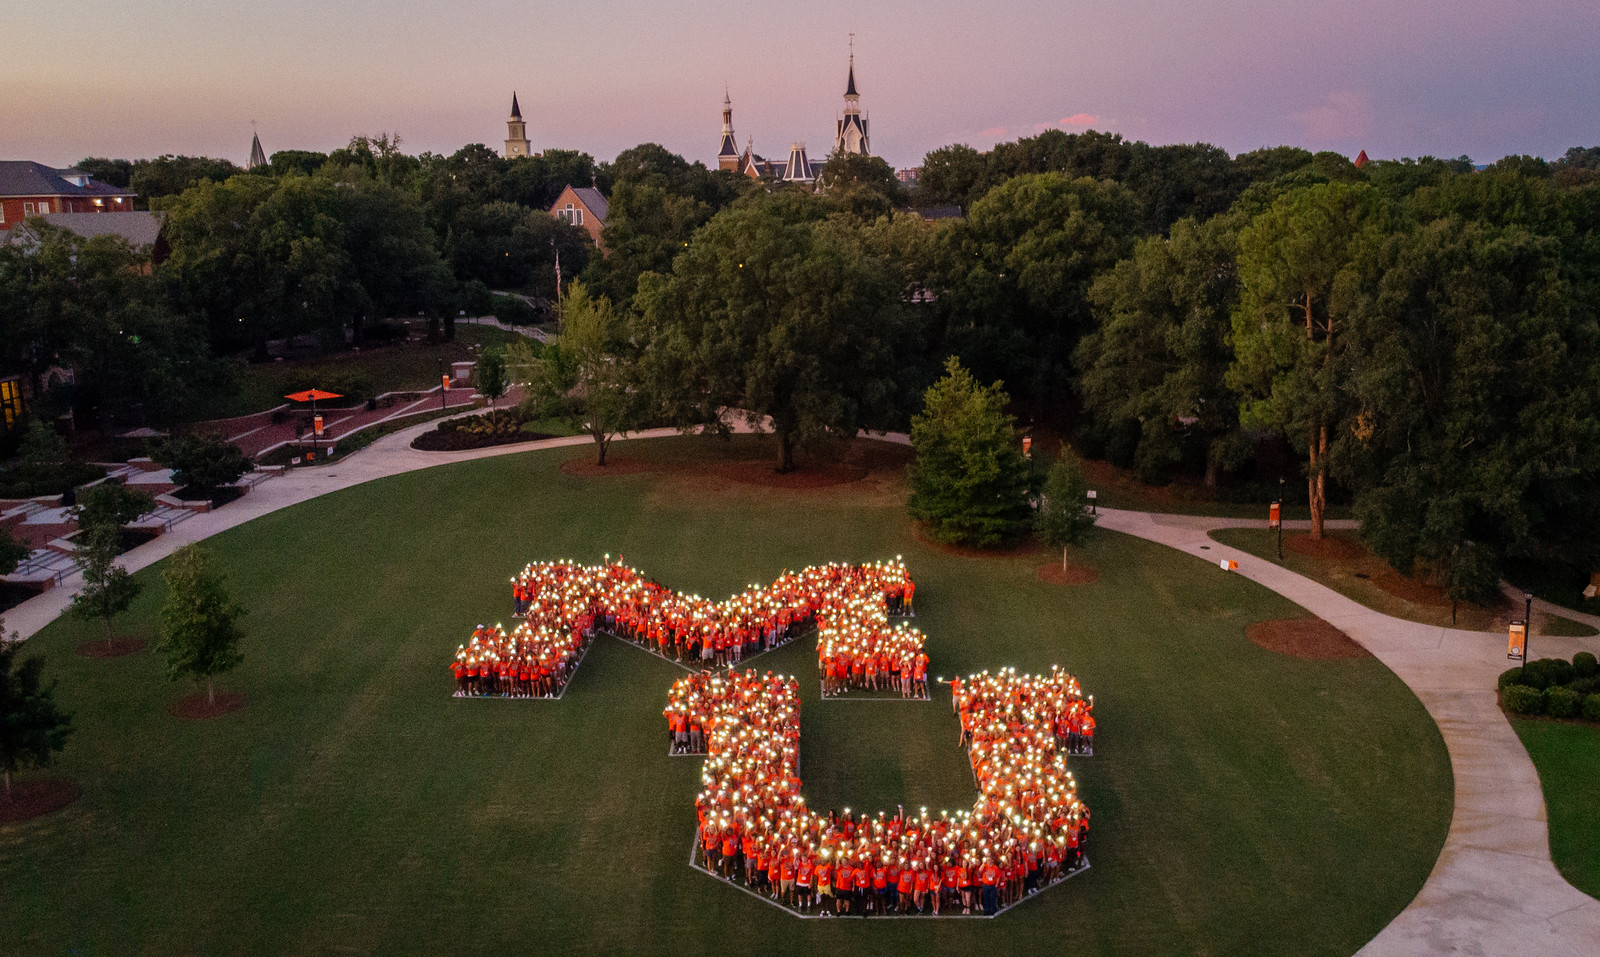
[
  {"x": 27, "y": 209},
  {"x": 44, "y": 206},
  {"x": 571, "y": 214},
  {"x": 11, "y": 403}
]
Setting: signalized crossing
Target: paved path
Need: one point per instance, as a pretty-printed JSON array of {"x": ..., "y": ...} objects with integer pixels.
[{"x": 1493, "y": 889}]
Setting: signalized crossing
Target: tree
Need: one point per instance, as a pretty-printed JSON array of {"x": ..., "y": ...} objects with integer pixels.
[
  {"x": 492, "y": 378},
  {"x": 170, "y": 175},
  {"x": 32, "y": 728},
  {"x": 951, "y": 175},
  {"x": 12, "y": 552},
  {"x": 1020, "y": 268},
  {"x": 970, "y": 482},
  {"x": 111, "y": 504},
  {"x": 1156, "y": 364},
  {"x": 1063, "y": 504},
  {"x": 863, "y": 186},
  {"x": 200, "y": 631},
  {"x": 203, "y": 461},
  {"x": 1298, "y": 274},
  {"x": 781, "y": 315},
  {"x": 112, "y": 172},
  {"x": 588, "y": 372},
  {"x": 107, "y": 589}
]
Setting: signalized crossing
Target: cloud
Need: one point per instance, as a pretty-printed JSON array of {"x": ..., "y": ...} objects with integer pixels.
[
  {"x": 1080, "y": 119},
  {"x": 996, "y": 132},
  {"x": 1343, "y": 115}
]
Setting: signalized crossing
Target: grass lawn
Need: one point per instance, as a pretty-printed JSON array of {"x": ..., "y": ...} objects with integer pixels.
[
  {"x": 1358, "y": 577},
  {"x": 1568, "y": 759},
  {"x": 390, "y": 368},
  {"x": 1243, "y": 801}
]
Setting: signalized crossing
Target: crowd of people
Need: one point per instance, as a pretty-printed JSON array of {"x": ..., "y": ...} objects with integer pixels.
[
  {"x": 1026, "y": 830},
  {"x": 562, "y": 604}
]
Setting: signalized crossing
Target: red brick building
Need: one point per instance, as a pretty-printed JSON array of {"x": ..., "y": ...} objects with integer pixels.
[
  {"x": 34, "y": 189},
  {"x": 583, "y": 206}
]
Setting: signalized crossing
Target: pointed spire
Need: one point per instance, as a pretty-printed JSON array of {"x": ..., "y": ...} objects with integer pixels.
[
  {"x": 516, "y": 111},
  {"x": 850, "y": 88},
  {"x": 258, "y": 156}
]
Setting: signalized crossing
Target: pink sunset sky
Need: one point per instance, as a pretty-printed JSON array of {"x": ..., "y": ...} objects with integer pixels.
[{"x": 1394, "y": 77}]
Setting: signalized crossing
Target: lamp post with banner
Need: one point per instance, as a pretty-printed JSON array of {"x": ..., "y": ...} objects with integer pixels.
[{"x": 312, "y": 395}]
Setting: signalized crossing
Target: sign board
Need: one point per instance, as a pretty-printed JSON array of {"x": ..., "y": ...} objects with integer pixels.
[
  {"x": 1027, "y": 447},
  {"x": 1228, "y": 565},
  {"x": 1517, "y": 646},
  {"x": 311, "y": 456},
  {"x": 1093, "y": 494},
  {"x": 316, "y": 425},
  {"x": 1274, "y": 516}
]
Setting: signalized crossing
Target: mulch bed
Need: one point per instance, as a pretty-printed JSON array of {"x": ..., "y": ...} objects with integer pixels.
[
  {"x": 1052, "y": 573},
  {"x": 436, "y": 441},
  {"x": 919, "y": 531},
  {"x": 1310, "y": 638},
  {"x": 115, "y": 648},
  {"x": 762, "y": 473},
  {"x": 30, "y": 799},
  {"x": 1410, "y": 589},
  {"x": 1329, "y": 547},
  {"x": 197, "y": 708},
  {"x": 584, "y": 467}
]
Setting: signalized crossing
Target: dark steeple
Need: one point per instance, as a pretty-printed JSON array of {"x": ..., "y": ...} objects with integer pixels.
[
  {"x": 516, "y": 111},
  {"x": 850, "y": 90}
]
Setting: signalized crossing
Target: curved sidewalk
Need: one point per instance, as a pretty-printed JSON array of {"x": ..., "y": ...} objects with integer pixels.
[
  {"x": 1493, "y": 889},
  {"x": 390, "y": 455}
]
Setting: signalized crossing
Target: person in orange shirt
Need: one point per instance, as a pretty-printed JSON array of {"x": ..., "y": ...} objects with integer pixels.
[
  {"x": 989, "y": 877},
  {"x": 824, "y": 878},
  {"x": 803, "y": 873}
]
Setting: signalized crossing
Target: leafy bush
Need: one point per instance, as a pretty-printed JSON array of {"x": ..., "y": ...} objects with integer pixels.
[
  {"x": 1585, "y": 664},
  {"x": 1546, "y": 672},
  {"x": 1509, "y": 677},
  {"x": 1561, "y": 702},
  {"x": 203, "y": 461},
  {"x": 1591, "y": 707},
  {"x": 1519, "y": 699},
  {"x": 1586, "y": 685}
]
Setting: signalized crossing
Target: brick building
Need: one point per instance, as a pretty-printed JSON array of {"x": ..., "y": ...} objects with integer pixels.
[
  {"x": 583, "y": 206},
  {"x": 34, "y": 189}
]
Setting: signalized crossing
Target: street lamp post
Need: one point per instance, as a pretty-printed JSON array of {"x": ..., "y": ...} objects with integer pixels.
[{"x": 1527, "y": 628}]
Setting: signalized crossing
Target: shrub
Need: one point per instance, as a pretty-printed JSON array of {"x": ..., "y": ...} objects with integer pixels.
[
  {"x": 1586, "y": 685},
  {"x": 1591, "y": 707},
  {"x": 1585, "y": 664},
  {"x": 203, "y": 461},
  {"x": 1509, "y": 677},
  {"x": 1518, "y": 699},
  {"x": 1561, "y": 702},
  {"x": 1546, "y": 672}
]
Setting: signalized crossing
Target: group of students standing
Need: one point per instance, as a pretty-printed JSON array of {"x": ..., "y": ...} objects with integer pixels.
[
  {"x": 1026, "y": 830},
  {"x": 563, "y": 604}
]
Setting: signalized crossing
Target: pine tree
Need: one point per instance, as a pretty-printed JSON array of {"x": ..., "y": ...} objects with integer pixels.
[
  {"x": 199, "y": 624},
  {"x": 970, "y": 482},
  {"x": 1063, "y": 507},
  {"x": 32, "y": 729}
]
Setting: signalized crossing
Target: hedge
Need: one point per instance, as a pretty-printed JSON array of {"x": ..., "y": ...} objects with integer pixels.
[
  {"x": 1561, "y": 702},
  {"x": 1591, "y": 707},
  {"x": 1519, "y": 699},
  {"x": 1585, "y": 665}
]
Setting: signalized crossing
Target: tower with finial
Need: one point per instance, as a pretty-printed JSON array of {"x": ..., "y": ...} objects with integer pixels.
[
  {"x": 728, "y": 153},
  {"x": 258, "y": 156},
  {"x": 851, "y": 135},
  {"x": 516, "y": 131}
]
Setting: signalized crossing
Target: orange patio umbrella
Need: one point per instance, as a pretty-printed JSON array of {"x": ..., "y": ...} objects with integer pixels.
[{"x": 312, "y": 395}]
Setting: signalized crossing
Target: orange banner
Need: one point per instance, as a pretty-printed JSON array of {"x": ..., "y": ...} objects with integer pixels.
[
  {"x": 316, "y": 424},
  {"x": 1517, "y": 645},
  {"x": 1274, "y": 518}
]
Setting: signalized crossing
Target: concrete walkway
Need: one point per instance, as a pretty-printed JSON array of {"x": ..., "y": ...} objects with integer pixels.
[
  {"x": 1493, "y": 889},
  {"x": 390, "y": 455}
]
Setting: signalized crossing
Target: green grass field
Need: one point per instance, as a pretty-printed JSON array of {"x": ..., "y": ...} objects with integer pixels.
[
  {"x": 1244, "y": 802},
  {"x": 1568, "y": 759}
]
